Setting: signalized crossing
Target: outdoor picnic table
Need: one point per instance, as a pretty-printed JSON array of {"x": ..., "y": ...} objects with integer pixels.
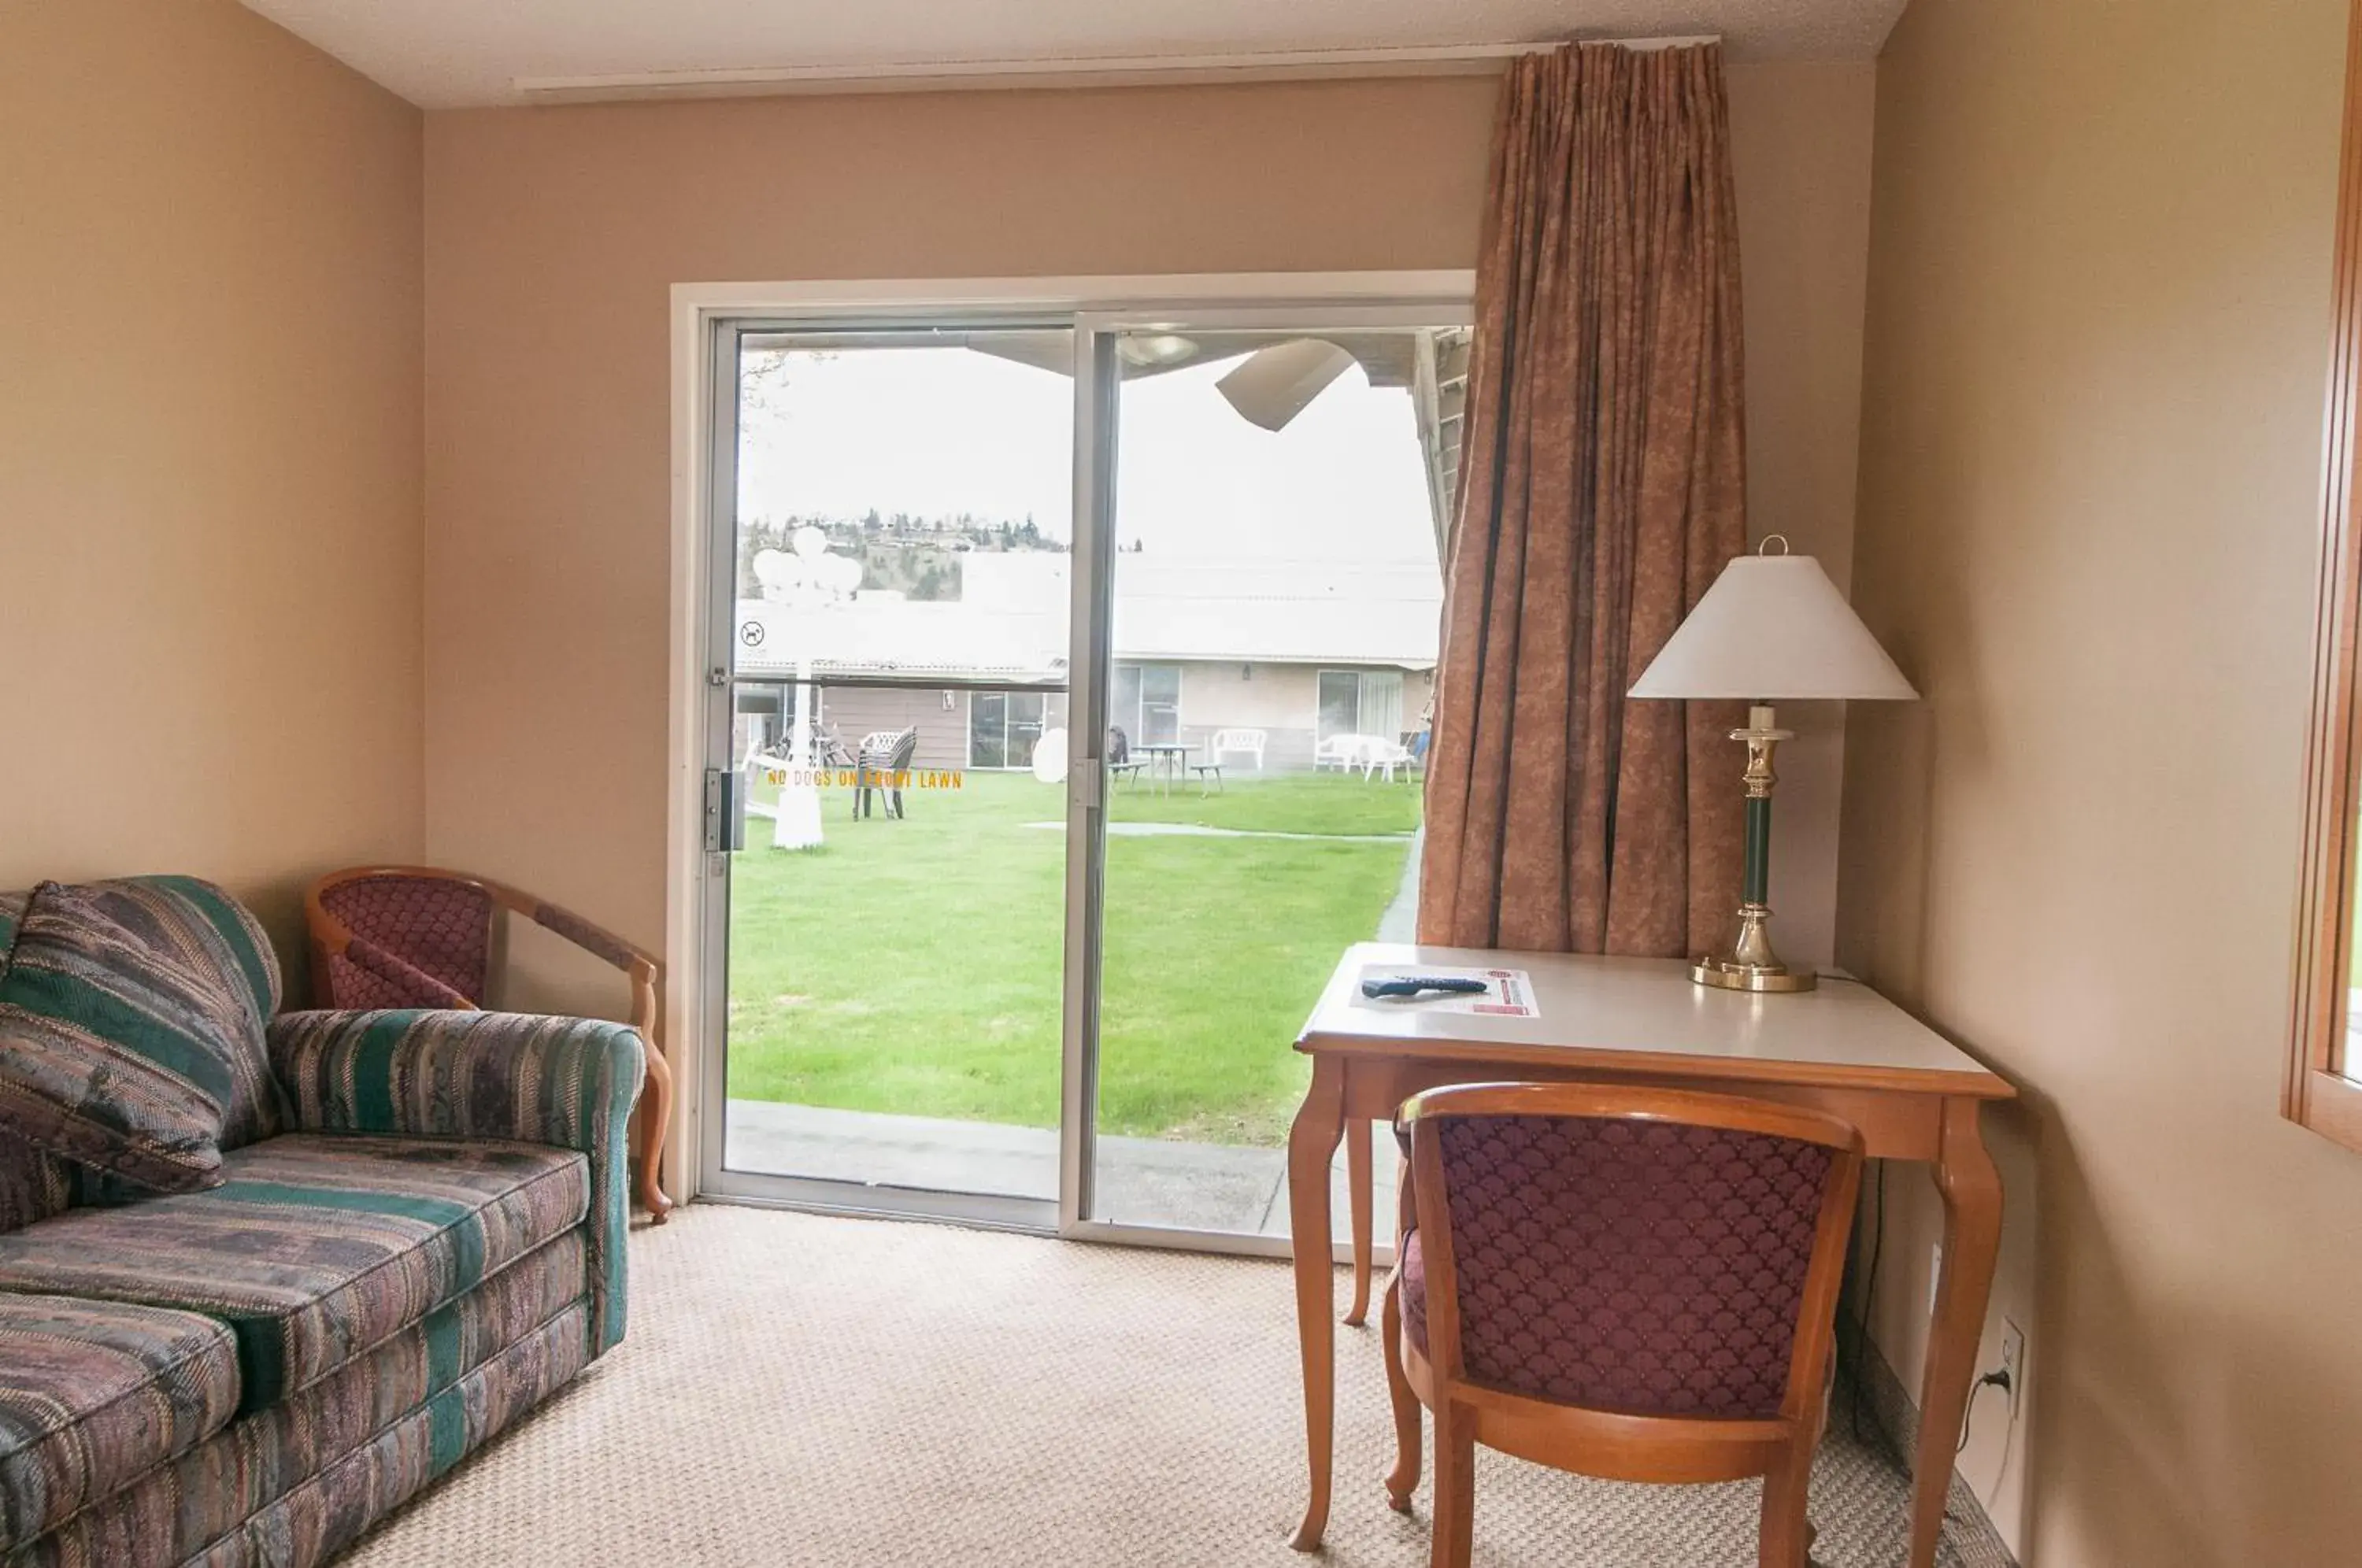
[{"x": 1169, "y": 757}]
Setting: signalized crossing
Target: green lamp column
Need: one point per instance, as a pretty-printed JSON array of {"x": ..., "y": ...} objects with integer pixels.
[{"x": 1751, "y": 965}]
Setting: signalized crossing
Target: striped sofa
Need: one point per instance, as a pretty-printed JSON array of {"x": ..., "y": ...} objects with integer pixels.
[{"x": 424, "y": 1238}]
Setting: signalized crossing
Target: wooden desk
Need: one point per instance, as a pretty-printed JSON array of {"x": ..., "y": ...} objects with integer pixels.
[{"x": 1843, "y": 1048}]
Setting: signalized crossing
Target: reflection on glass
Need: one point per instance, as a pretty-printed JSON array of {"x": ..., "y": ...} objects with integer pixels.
[
  {"x": 1277, "y": 595},
  {"x": 897, "y": 918}
]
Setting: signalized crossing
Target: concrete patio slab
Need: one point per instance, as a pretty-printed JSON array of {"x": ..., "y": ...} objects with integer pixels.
[{"x": 1143, "y": 1181}]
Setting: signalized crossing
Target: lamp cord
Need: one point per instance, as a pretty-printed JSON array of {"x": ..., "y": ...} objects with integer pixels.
[{"x": 1998, "y": 1378}]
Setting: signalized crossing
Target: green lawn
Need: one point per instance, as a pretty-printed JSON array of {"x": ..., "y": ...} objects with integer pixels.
[
  {"x": 914, "y": 965},
  {"x": 1298, "y": 803}
]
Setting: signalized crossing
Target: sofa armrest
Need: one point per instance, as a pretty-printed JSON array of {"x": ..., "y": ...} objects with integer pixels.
[{"x": 565, "y": 1082}]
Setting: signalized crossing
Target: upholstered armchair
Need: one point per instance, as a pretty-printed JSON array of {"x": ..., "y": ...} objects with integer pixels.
[
  {"x": 1633, "y": 1283},
  {"x": 412, "y": 936}
]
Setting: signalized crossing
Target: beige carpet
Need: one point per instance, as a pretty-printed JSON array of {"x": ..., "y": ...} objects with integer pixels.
[{"x": 797, "y": 1390}]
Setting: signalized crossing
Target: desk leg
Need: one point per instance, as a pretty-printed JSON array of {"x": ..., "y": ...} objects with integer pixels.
[
  {"x": 1358, "y": 1181},
  {"x": 1311, "y": 1143},
  {"x": 1971, "y": 1191}
]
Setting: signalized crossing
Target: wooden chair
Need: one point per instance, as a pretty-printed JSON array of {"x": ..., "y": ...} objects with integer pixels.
[
  {"x": 1633, "y": 1283},
  {"x": 885, "y": 757},
  {"x": 393, "y": 936}
]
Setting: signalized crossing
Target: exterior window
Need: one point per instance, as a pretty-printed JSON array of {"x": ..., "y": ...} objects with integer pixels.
[
  {"x": 1147, "y": 703},
  {"x": 1005, "y": 728},
  {"x": 1360, "y": 702}
]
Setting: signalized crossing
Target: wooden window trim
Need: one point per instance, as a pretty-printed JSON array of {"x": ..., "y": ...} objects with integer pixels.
[{"x": 2317, "y": 1094}]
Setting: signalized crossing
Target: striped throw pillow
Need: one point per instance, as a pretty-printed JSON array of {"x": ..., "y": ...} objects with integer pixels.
[{"x": 123, "y": 1047}]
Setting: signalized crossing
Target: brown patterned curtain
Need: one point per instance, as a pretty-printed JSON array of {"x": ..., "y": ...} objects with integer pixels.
[{"x": 1603, "y": 487}]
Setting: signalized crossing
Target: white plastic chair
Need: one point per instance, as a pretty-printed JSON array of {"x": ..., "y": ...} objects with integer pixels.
[
  {"x": 1225, "y": 741},
  {"x": 1343, "y": 753},
  {"x": 1387, "y": 754}
]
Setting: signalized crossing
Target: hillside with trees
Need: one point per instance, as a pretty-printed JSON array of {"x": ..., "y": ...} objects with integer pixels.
[{"x": 918, "y": 557}]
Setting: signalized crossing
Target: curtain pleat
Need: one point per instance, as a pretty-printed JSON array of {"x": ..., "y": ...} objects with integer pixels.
[{"x": 1603, "y": 490}]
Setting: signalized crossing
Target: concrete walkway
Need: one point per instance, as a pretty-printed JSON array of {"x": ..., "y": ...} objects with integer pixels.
[
  {"x": 1142, "y": 1181},
  {"x": 1196, "y": 830},
  {"x": 1400, "y": 923}
]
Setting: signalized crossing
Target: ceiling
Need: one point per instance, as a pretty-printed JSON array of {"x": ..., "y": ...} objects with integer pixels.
[{"x": 448, "y": 53}]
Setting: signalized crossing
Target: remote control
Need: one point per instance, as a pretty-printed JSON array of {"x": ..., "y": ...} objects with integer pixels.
[{"x": 1416, "y": 985}]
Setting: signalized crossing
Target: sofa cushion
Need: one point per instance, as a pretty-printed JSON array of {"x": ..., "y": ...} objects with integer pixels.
[
  {"x": 194, "y": 917},
  {"x": 181, "y": 1506},
  {"x": 96, "y": 1394},
  {"x": 319, "y": 1247},
  {"x": 130, "y": 1036},
  {"x": 34, "y": 1182}
]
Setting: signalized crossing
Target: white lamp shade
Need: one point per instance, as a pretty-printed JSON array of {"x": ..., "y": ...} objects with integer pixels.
[{"x": 1772, "y": 628}]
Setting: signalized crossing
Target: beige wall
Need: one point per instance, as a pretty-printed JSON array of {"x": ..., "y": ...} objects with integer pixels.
[
  {"x": 2098, "y": 338},
  {"x": 553, "y": 235},
  {"x": 1801, "y": 142},
  {"x": 210, "y": 507}
]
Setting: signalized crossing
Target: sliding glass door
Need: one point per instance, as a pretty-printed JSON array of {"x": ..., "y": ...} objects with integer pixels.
[
  {"x": 1275, "y": 599},
  {"x": 1072, "y": 675},
  {"x": 897, "y": 567}
]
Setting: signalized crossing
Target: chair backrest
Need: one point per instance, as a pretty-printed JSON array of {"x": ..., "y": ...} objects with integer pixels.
[
  {"x": 890, "y": 750},
  {"x": 1238, "y": 740},
  {"x": 1644, "y": 1251},
  {"x": 422, "y": 936},
  {"x": 412, "y": 932}
]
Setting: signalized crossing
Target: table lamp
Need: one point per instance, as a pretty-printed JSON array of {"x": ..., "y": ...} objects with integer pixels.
[{"x": 1772, "y": 628}]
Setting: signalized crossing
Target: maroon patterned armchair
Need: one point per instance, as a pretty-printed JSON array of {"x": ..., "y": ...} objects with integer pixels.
[
  {"x": 412, "y": 936},
  {"x": 1638, "y": 1285}
]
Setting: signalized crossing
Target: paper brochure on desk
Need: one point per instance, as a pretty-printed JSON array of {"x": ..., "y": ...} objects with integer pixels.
[{"x": 1508, "y": 993}]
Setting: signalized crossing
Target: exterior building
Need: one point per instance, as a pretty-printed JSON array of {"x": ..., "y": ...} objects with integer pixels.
[{"x": 1300, "y": 651}]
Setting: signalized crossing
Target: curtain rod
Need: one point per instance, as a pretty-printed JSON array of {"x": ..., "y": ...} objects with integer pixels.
[{"x": 1088, "y": 70}]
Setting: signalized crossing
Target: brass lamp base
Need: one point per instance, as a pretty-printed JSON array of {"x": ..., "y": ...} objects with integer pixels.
[
  {"x": 1730, "y": 975},
  {"x": 1751, "y": 964}
]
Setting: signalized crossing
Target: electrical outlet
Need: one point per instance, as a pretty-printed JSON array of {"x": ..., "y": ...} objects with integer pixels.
[
  {"x": 2013, "y": 1361},
  {"x": 1935, "y": 1279}
]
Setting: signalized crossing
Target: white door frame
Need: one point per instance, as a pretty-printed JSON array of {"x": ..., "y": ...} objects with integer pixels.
[{"x": 1101, "y": 306}]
